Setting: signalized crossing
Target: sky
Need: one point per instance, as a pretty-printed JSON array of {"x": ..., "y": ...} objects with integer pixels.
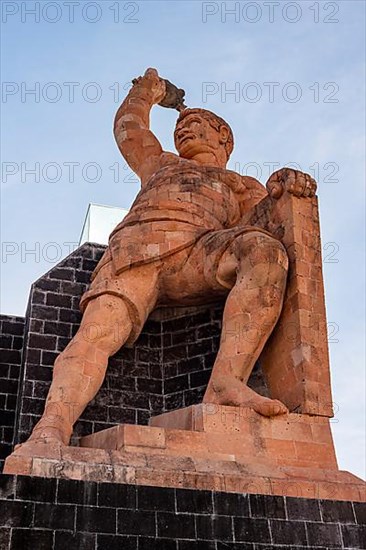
[{"x": 287, "y": 76}]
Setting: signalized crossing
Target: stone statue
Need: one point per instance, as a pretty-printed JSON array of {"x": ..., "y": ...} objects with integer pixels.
[{"x": 182, "y": 243}]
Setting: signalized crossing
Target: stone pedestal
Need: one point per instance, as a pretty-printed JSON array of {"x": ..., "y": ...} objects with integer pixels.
[
  {"x": 201, "y": 478},
  {"x": 56, "y": 514},
  {"x": 204, "y": 447}
]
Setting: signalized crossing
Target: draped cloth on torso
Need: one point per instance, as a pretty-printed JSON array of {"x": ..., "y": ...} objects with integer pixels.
[{"x": 180, "y": 203}]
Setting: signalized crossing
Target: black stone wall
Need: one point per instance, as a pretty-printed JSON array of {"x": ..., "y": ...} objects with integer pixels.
[
  {"x": 168, "y": 367},
  {"x": 55, "y": 514},
  {"x": 11, "y": 344}
]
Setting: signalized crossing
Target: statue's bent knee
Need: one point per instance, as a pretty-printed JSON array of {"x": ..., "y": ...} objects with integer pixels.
[
  {"x": 259, "y": 248},
  {"x": 106, "y": 322},
  {"x": 248, "y": 251}
]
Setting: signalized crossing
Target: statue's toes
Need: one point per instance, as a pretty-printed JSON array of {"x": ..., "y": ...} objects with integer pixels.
[
  {"x": 279, "y": 408},
  {"x": 272, "y": 407}
]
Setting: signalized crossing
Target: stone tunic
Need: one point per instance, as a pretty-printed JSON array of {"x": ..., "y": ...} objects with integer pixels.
[{"x": 179, "y": 204}]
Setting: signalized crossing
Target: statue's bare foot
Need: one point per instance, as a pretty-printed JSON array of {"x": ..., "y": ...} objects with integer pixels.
[
  {"x": 49, "y": 435},
  {"x": 269, "y": 407},
  {"x": 232, "y": 392}
]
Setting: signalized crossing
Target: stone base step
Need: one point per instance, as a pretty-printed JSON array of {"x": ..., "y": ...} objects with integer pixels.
[
  {"x": 162, "y": 470},
  {"x": 222, "y": 449},
  {"x": 227, "y": 433}
]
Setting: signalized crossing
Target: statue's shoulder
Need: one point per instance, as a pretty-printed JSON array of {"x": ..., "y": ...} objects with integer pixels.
[
  {"x": 167, "y": 158},
  {"x": 158, "y": 164},
  {"x": 242, "y": 184},
  {"x": 234, "y": 180},
  {"x": 250, "y": 182}
]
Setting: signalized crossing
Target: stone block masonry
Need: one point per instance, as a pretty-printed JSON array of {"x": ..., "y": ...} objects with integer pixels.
[
  {"x": 54, "y": 514},
  {"x": 168, "y": 367},
  {"x": 11, "y": 345}
]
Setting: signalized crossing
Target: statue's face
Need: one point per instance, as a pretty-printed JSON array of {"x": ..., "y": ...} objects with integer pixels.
[{"x": 194, "y": 135}]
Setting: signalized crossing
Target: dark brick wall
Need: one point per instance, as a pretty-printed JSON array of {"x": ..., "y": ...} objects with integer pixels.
[
  {"x": 11, "y": 344},
  {"x": 168, "y": 367},
  {"x": 55, "y": 514}
]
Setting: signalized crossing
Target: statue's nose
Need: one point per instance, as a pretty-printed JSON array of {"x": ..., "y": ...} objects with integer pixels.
[{"x": 183, "y": 133}]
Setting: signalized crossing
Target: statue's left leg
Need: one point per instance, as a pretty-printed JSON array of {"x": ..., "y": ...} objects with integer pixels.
[{"x": 255, "y": 265}]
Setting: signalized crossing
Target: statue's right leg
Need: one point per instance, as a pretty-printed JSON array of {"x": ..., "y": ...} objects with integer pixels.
[
  {"x": 110, "y": 319},
  {"x": 80, "y": 369}
]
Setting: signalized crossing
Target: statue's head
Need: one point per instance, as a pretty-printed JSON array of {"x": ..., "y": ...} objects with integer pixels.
[{"x": 200, "y": 131}]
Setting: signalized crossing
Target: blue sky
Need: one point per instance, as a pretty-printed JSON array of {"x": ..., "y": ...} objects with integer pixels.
[{"x": 311, "y": 52}]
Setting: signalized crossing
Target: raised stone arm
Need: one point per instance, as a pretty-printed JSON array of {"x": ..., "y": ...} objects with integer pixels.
[
  {"x": 137, "y": 143},
  {"x": 295, "y": 358}
]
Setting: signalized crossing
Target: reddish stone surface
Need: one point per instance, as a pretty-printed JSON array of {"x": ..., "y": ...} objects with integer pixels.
[
  {"x": 229, "y": 451},
  {"x": 216, "y": 432},
  {"x": 197, "y": 232},
  {"x": 295, "y": 358}
]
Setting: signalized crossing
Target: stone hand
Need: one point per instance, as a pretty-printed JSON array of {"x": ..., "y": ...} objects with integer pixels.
[
  {"x": 293, "y": 181},
  {"x": 152, "y": 82}
]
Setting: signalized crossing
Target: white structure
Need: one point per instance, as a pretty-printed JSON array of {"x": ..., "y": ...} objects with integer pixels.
[{"x": 99, "y": 223}]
